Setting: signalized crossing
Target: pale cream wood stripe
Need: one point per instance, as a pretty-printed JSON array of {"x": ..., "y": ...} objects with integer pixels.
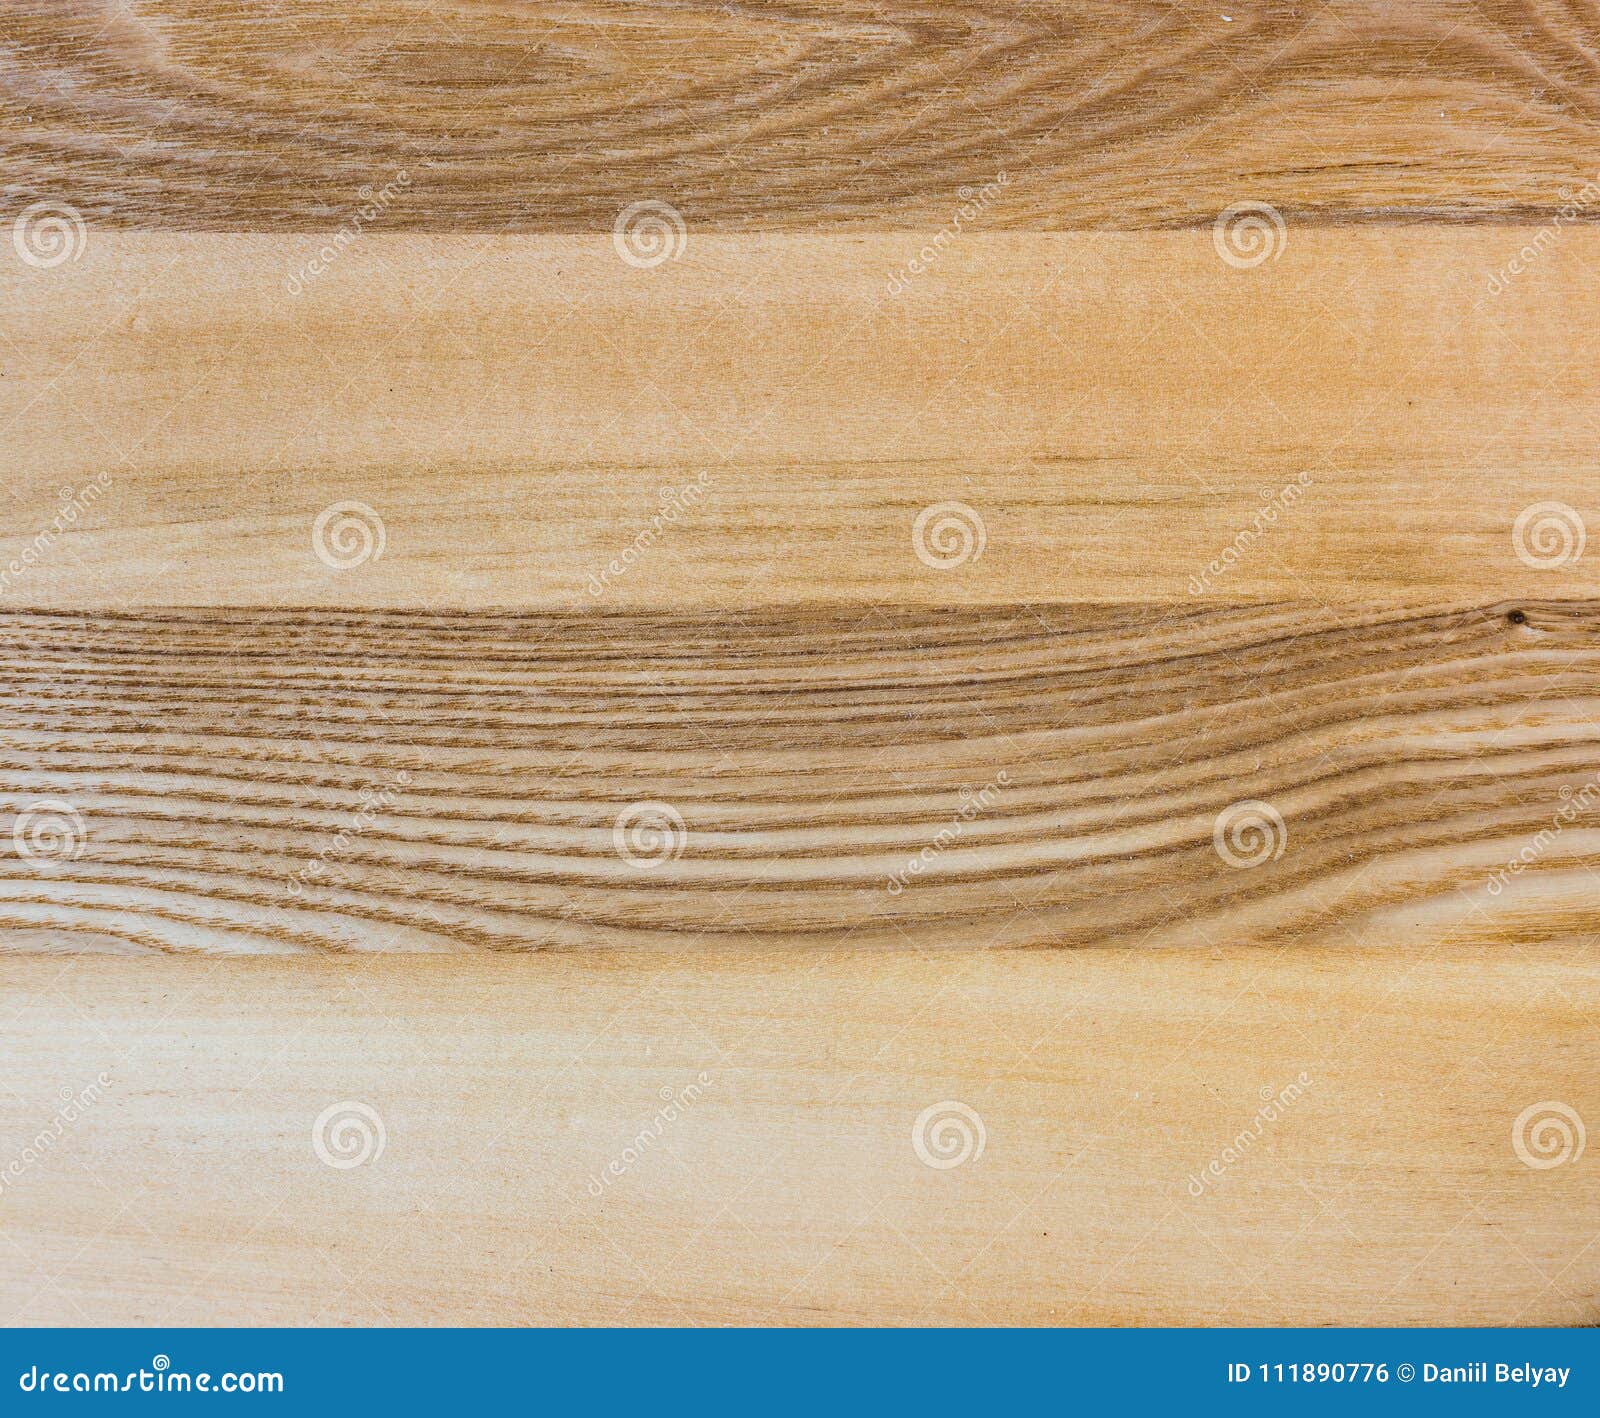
[
  {"x": 1359, "y": 1101},
  {"x": 1129, "y": 417}
]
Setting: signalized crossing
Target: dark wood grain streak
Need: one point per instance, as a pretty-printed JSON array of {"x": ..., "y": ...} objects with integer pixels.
[
  {"x": 392, "y": 781},
  {"x": 197, "y": 114}
]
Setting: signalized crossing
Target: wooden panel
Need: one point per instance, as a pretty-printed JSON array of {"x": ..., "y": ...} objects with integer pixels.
[
  {"x": 269, "y": 782},
  {"x": 643, "y": 551},
  {"x": 532, "y": 422},
  {"x": 197, "y": 113},
  {"x": 748, "y": 1121}
]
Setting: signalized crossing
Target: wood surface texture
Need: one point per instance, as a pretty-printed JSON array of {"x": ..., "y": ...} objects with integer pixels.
[
  {"x": 242, "y": 782},
  {"x": 199, "y": 114},
  {"x": 1385, "y": 1187},
  {"x": 1360, "y": 420},
  {"x": 799, "y": 663}
]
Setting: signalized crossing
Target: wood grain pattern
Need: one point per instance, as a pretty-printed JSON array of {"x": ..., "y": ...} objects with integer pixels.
[
  {"x": 275, "y": 781},
  {"x": 1122, "y": 413},
  {"x": 192, "y": 114},
  {"x": 1388, "y": 1190},
  {"x": 918, "y": 635}
]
